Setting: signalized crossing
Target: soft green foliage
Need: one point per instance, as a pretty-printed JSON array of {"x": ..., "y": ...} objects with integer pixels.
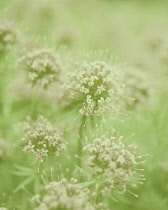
[{"x": 74, "y": 92}]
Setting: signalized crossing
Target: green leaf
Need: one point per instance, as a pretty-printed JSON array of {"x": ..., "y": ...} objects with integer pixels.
[
  {"x": 86, "y": 184},
  {"x": 23, "y": 184},
  {"x": 25, "y": 169},
  {"x": 82, "y": 171},
  {"x": 21, "y": 173}
]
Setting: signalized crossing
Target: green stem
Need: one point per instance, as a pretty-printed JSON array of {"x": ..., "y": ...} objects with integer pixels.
[
  {"x": 5, "y": 99},
  {"x": 34, "y": 102},
  {"x": 38, "y": 177},
  {"x": 79, "y": 152},
  {"x": 97, "y": 189}
]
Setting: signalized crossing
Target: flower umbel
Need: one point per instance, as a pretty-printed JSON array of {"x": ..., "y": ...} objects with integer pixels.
[
  {"x": 68, "y": 196},
  {"x": 42, "y": 138},
  {"x": 41, "y": 65},
  {"x": 111, "y": 159},
  {"x": 97, "y": 88}
]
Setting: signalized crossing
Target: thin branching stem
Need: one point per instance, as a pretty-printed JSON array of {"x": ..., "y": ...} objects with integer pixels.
[{"x": 81, "y": 133}]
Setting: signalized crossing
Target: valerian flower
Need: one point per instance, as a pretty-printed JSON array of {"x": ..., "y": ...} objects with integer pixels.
[
  {"x": 68, "y": 196},
  {"x": 113, "y": 161},
  {"x": 8, "y": 35},
  {"x": 42, "y": 138},
  {"x": 41, "y": 65},
  {"x": 4, "y": 149},
  {"x": 96, "y": 89}
]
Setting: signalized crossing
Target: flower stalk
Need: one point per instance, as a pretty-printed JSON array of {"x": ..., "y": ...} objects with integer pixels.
[{"x": 81, "y": 135}]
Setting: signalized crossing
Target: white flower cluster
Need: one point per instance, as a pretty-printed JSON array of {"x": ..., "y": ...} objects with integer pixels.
[
  {"x": 42, "y": 138},
  {"x": 4, "y": 149},
  {"x": 41, "y": 65},
  {"x": 97, "y": 88},
  {"x": 8, "y": 35},
  {"x": 67, "y": 196},
  {"x": 110, "y": 158}
]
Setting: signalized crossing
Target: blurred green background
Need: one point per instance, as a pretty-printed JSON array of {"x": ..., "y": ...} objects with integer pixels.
[{"x": 132, "y": 31}]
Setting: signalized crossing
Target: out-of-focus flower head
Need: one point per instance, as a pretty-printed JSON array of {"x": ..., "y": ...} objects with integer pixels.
[
  {"x": 4, "y": 149},
  {"x": 112, "y": 160},
  {"x": 68, "y": 196},
  {"x": 163, "y": 53},
  {"x": 21, "y": 90},
  {"x": 42, "y": 138},
  {"x": 8, "y": 35},
  {"x": 96, "y": 88},
  {"x": 137, "y": 87},
  {"x": 41, "y": 65},
  {"x": 155, "y": 36}
]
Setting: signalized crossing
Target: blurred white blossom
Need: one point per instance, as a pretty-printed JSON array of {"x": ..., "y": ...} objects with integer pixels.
[{"x": 68, "y": 196}]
